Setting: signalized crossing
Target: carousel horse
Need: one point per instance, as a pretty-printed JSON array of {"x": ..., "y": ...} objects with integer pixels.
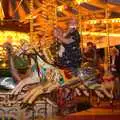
[
  {"x": 50, "y": 78},
  {"x": 56, "y": 78}
]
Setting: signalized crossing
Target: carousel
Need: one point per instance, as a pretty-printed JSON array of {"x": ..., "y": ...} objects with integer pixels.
[{"x": 59, "y": 57}]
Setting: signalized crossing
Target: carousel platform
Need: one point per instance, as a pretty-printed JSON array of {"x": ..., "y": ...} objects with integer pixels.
[{"x": 95, "y": 114}]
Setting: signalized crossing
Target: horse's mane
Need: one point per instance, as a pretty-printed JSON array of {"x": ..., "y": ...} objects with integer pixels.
[{"x": 44, "y": 59}]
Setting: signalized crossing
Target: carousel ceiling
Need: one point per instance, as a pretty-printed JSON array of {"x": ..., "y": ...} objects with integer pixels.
[
  {"x": 93, "y": 16},
  {"x": 18, "y": 9}
]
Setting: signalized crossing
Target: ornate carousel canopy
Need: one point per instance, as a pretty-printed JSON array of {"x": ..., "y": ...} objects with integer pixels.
[{"x": 93, "y": 15}]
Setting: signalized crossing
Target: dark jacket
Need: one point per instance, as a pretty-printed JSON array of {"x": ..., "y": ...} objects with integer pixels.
[{"x": 72, "y": 56}]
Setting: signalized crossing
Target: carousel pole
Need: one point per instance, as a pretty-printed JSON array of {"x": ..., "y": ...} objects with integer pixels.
[
  {"x": 31, "y": 41},
  {"x": 52, "y": 21},
  {"x": 54, "y": 16},
  {"x": 31, "y": 21},
  {"x": 80, "y": 29},
  {"x": 107, "y": 48},
  {"x": 2, "y": 15},
  {"x": 80, "y": 19}
]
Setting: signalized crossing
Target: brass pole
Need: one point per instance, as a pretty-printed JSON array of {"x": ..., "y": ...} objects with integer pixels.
[
  {"x": 31, "y": 21},
  {"x": 81, "y": 37},
  {"x": 80, "y": 28},
  {"x": 107, "y": 48}
]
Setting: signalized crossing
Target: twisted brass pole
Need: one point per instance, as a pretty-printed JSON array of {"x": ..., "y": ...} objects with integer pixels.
[
  {"x": 31, "y": 21},
  {"x": 107, "y": 48},
  {"x": 79, "y": 17}
]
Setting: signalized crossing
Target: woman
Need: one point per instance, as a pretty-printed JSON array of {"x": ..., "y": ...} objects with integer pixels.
[
  {"x": 69, "y": 52},
  {"x": 115, "y": 68}
]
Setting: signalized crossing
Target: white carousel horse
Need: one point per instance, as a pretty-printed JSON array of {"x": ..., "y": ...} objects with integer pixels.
[
  {"x": 46, "y": 72},
  {"x": 54, "y": 76}
]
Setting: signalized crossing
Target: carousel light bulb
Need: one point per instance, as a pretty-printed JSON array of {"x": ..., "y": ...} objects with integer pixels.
[
  {"x": 66, "y": 7},
  {"x": 60, "y": 8},
  {"x": 118, "y": 20},
  {"x": 4, "y": 65},
  {"x": 94, "y": 21},
  {"x": 81, "y": 1},
  {"x": 113, "y": 21}
]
